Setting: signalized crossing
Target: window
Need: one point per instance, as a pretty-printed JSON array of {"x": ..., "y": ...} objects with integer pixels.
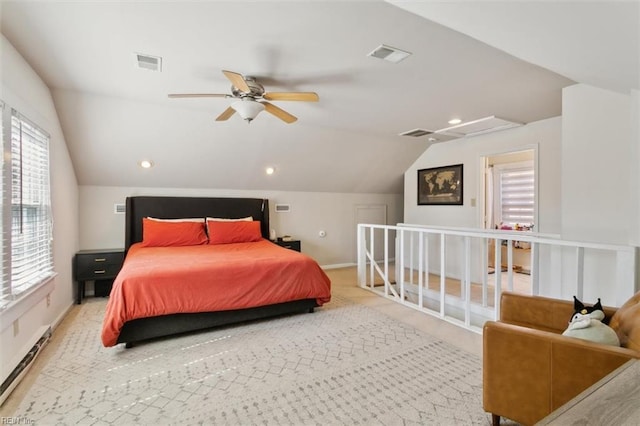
[
  {"x": 515, "y": 194},
  {"x": 26, "y": 207}
]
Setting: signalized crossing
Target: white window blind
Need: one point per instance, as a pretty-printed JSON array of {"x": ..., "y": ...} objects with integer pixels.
[
  {"x": 29, "y": 260},
  {"x": 517, "y": 195}
]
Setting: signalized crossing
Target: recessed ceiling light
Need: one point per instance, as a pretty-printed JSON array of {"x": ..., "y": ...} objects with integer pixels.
[
  {"x": 146, "y": 164},
  {"x": 455, "y": 121},
  {"x": 270, "y": 170}
]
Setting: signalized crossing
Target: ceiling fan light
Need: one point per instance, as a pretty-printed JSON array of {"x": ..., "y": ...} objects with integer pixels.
[{"x": 247, "y": 108}]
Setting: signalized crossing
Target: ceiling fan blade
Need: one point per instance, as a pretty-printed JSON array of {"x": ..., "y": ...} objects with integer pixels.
[
  {"x": 237, "y": 80},
  {"x": 226, "y": 114},
  {"x": 198, "y": 95},
  {"x": 278, "y": 112},
  {"x": 292, "y": 96}
]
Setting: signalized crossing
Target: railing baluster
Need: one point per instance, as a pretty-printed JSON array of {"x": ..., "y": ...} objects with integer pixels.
[
  {"x": 426, "y": 260},
  {"x": 535, "y": 269},
  {"x": 371, "y": 258},
  {"x": 420, "y": 269},
  {"x": 411, "y": 268},
  {"x": 443, "y": 283},
  {"x": 467, "y": 281},
  {"x": 580, "y": 272},
  {"x": 510, "y": 265},
  {"x": 497, "y": 288},
  {"x": 401, "y": 281},
  {"x": 485, "y": 270},
  {"x": 386, "y": 256}
]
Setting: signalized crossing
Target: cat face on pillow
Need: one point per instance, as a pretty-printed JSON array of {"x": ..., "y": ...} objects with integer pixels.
[{"x": 586, "y": 313}]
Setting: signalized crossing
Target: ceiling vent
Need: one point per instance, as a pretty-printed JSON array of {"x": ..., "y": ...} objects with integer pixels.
[
  {"x": 432, "y": 136},
  {"x": 148, "y": 62},
  {"x": 478, "y": 127},
  {"x": 390, "y": 54},
  {"x": 416, "y": 133}
]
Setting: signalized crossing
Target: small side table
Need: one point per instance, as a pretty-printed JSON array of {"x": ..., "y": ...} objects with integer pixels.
[
  {"x": 291, "y": 245},
  {"x": 97, "y": 266}
]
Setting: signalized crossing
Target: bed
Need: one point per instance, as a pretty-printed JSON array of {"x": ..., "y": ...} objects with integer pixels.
[{"x": 226, "y": 278}]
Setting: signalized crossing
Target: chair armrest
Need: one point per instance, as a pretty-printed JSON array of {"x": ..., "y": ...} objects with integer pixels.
[
  {"x": 542, "y": 313},
  {"x": 528, "y": 373}
]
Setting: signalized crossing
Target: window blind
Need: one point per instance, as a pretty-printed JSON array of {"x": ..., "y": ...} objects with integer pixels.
[
  {"x": 30, "y": 236},
  {"x": 517, "y": 195}
]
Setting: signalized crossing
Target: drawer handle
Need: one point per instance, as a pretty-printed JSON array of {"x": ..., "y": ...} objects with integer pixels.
[
  {"x": 100, "y": 259},
  {"x": 102, "y": 271}
]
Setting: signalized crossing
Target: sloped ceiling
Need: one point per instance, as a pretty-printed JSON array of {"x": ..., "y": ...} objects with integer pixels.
[
  {"x": 592, "y": 42},
  {"x": 114, "y": 115}
]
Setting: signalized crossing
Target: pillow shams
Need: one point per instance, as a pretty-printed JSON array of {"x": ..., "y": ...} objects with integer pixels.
[
  {"x": 226, "y": 232},
  {"x": 187, "y": 219},
  {"x": 222, "y": 219},
  {"x": 163, "y": 233}
]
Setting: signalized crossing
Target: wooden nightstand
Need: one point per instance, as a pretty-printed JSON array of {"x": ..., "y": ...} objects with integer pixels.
[
  {"x": 100, "y": 266},
  {"x": 292, "y": 245}
]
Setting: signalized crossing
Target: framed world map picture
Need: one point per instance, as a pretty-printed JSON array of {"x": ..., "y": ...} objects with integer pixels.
[{"x": 440, "y": 186}]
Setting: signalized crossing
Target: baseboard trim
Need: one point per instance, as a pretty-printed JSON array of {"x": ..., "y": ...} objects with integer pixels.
[
  {"x": 24, "y": 366},
  {"x": 338, "y": 265}
]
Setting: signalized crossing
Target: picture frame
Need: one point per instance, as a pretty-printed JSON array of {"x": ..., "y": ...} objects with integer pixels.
[{"x": 441, "y": 186}]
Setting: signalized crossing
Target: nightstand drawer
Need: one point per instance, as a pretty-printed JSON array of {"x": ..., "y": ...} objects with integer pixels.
[
  {"x": 98, "y": 265},
  {"x": 291, "y": 245},
  {"x": 98, "y": 272}
]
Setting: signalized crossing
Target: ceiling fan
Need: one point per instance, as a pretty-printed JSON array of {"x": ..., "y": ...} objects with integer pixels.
[{"x": 252, "y": 99}]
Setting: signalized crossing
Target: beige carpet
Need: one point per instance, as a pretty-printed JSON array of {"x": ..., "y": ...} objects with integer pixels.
[{"x": 358, "y": 360}]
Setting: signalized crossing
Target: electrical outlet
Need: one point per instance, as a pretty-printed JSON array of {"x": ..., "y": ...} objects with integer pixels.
[
  {"x": 16, "y": 328},
  {"x": 48, "y": 300}
]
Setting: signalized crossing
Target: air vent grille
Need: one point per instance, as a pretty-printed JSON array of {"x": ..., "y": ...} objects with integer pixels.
[
  {"x": 283, "y": 208},
  {"x": 119, "y": 209},
  {"x": 149, "y": 62},
  {"x": 416, "y": 133},
  {"x": 390, "y": 54}
]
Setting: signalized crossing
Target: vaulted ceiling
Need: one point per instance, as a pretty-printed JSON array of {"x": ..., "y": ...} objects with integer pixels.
[{"x": 114, "y": 114}]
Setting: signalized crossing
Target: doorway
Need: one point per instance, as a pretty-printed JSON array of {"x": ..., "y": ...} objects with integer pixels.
[{"x": 510, "y": 203}]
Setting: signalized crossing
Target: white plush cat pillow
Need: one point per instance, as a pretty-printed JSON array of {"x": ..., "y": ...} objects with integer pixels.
[{"x": 586, "y": 323}]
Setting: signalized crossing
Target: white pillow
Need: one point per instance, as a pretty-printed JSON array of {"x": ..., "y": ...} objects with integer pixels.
[
  {"x": 221, "y": 219},
  {"x": 193, "y": 219}
]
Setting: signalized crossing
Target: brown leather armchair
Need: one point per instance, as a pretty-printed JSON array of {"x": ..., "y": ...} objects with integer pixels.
[{"x": 530, "y": 369}]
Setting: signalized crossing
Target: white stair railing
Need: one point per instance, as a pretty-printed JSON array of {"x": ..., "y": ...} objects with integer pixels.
[{"x": 444, "y": 271}]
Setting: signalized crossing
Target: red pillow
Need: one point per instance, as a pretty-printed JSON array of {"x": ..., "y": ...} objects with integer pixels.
[
  {"x": 233, "y": 232},
  {"x": 167, "y": 234}
]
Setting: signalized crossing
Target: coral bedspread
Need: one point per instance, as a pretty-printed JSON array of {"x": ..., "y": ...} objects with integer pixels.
[{"x": 167, "y": 280}]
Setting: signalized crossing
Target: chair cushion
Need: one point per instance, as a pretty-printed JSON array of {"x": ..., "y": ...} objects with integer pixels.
[{"x": 626, "y": 323}]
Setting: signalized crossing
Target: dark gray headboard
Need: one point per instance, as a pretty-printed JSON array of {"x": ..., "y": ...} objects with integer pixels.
[{"x": 181, "y": 207}]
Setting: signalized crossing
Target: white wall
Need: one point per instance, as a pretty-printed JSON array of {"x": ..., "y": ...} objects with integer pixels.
[
  {"x": 23, "y": 90},
  {"x": 597, "y": 162},
  {"x": 545, "y": 135},
  {"x": 310, "y": 213}
]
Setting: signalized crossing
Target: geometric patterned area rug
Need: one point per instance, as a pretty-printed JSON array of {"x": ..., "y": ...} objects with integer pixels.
[{"x": 345, "y": 364}]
